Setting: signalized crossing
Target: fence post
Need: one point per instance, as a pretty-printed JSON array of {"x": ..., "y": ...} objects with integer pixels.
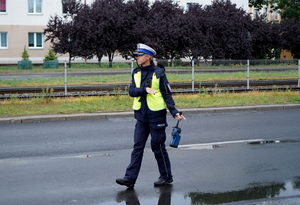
[
  {"x": 193, "y": 76},
  {"x": 298, "y": 73},
  {"x": 66, "y": 78},
  {"x": 248, "y": 75}
]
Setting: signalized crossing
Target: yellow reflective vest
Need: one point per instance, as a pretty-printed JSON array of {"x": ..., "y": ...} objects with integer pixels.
[{"x": 155, "y": 102}]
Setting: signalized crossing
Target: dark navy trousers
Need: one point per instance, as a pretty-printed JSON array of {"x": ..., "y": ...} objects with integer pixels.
[{"x": 158, "y": 138}]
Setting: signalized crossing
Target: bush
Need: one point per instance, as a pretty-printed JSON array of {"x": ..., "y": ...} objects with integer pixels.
[
  {"x": 51, "y": 56},
  {"x": 25, "y": 63},
  {"x": 50, "y": 60},
  {"x": 25, "y": 55}
]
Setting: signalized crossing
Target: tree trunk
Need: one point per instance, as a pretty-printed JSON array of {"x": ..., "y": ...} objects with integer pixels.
[
  {"x": 99, "y": 56},
  {"x": 110, "y": 59},
  {"x": 70, "y": 57}
]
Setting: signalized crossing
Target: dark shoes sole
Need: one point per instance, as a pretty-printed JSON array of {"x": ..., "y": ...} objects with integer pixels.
[
  {"x": 159, "y": 182},
  {"x": 163, "y": 182},
  {"x": 124, "y": 182}
]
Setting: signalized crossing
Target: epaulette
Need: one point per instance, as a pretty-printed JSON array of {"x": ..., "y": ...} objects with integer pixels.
[
  {"x": 159, "y": 71},
  {"x": 161, "y": 66}
]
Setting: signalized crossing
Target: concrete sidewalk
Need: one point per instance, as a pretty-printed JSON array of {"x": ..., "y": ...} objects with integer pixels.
[{"x": 117, "y": 114}]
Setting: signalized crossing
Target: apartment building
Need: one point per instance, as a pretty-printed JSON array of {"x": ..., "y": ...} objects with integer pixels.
[
  {"x": 22, "y": 23},
  {"x": 266, "y": 11}
]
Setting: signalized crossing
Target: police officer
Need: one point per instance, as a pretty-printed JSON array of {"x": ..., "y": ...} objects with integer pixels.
[{"x": 152, "y": 95}]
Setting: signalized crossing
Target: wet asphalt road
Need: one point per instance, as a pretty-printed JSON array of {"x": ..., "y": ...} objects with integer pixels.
[{"x": 76, "y": 162}]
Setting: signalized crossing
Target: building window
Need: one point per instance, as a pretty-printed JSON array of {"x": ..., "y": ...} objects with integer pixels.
[
  {"x": 265, "y": 12},
  {"x": 3, "y": 40},
  {"x": 35, "y": 40},
  {"x": 189, "y": 5},
  {"x": 275, "y": 16},
  {"x": 34, "y": 6},
  {"x": 2, "y": 5},
  {"x": 256, "y": 13},
  {"x": 66, "y": 5}
]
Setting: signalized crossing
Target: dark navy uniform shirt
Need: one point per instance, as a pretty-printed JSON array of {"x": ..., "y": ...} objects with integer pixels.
[{"x": 144, "y": 113}]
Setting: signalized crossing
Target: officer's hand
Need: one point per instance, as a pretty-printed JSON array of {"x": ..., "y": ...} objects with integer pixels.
[
  {"x": 151, "y": 91},
  {"x": 179, "y": 117}
]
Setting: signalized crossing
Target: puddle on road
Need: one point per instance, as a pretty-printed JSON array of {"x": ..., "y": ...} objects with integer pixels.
[
  {"x": 253, "y": 192},
  {"x": 273, "y": 141},
  {"x": 214, "y": 145}
]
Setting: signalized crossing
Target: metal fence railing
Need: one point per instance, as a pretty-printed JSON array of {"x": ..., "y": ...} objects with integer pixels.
[{"x": 247, "y": 66}]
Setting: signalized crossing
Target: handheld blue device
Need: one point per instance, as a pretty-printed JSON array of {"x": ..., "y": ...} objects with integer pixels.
[{"x": 175, "y": 136}]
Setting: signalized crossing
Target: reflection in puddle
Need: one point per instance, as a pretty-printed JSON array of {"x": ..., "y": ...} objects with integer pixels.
[
  {"x": 130, "y": 197},
  {"x": 272, "y": 141},
  {"x": 253, "y": 192},
  {"x": 256, "y": 191}
]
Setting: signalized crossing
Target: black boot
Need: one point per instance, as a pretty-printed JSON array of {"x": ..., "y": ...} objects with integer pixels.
[
  {"x": 125, "y": 182},
  {"x": 163, "y": 182}
]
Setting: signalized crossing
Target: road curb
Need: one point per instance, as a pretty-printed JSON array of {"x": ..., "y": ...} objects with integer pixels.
[{"x": 117, "y": 114}]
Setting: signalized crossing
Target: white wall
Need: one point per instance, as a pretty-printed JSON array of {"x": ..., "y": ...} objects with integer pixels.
[{"x": 17, "y": 14}]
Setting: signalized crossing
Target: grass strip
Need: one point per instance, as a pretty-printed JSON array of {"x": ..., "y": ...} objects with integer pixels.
[
  {"x": 43, "y": 105},
  {"x": 173, "y": 78}
]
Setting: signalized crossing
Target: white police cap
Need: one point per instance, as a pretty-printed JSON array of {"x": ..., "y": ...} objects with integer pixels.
[{"x": 143, "y": 49}]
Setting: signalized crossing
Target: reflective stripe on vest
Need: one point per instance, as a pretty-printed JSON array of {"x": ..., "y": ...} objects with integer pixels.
[{"x": 154, "y": 102}]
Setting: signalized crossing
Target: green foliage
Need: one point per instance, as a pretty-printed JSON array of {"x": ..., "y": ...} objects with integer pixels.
[
  {"x": 25, "y": 55},
  {"x": 295, "y": 99},
  {"x": 14, "y": 99},
  {"x": 124, "y": 102},
  {"x": 51, "y": 56},
  {"x": 257, "y": 3},
  {"x": 288, "y": 9},
  {"x": 47, "y": 94}
]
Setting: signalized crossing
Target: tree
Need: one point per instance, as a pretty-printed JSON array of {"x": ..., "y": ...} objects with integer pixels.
[
  {"x": 265, "y": 39},
  {"x": 111, "y": 27},
  {"x": 83, "y": 36},
  {"x": 165, "y": 29},
  {"x": 198, "y": 33},
  {"x": 228, "y": 28},
  {"x": 290, "y": 33},
  {"x": 61, "y": 33},
  {"x": 51, "y": 56},
  {"x": 288, "y": 9},
  {"x": 136, "y": 13},
  {"x": 257, "y": 3},
  {"x": 25, "y": 55}
]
